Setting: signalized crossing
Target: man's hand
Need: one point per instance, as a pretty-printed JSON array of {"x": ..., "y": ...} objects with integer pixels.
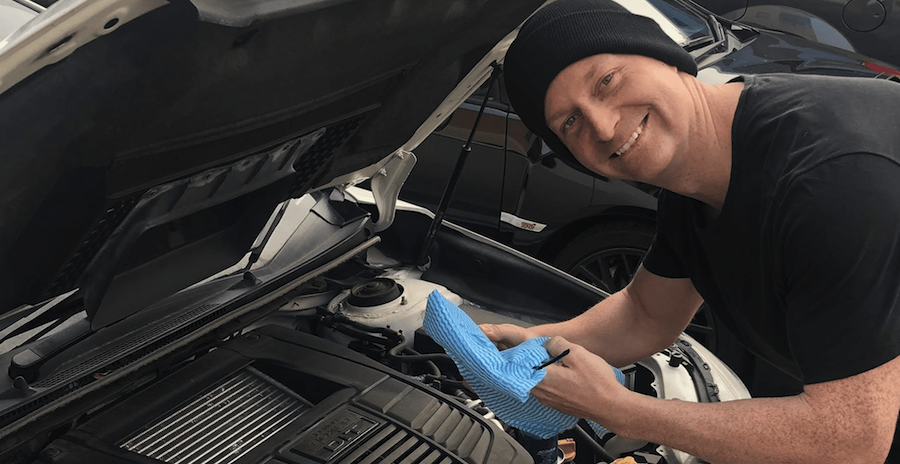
[
  {"x": 582, "y": 384},
  {"x": 506, "y": 335}
]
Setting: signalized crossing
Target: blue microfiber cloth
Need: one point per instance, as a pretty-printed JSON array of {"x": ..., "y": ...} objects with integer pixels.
[{"x": 503, "y": 379}]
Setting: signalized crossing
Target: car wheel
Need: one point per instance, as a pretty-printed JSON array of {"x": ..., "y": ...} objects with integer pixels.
[{"x": 607, "y": 256}]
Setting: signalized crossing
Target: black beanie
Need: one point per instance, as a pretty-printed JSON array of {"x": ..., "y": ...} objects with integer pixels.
[{"x": 567, "y": 31}]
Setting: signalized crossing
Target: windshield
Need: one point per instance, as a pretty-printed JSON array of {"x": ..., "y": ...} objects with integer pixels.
[
  {"x": 693, "y": 26},
  {"x": 678, "y": 22}
]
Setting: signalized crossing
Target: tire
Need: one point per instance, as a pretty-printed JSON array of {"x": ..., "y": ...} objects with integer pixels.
[{"x": 607, "y": 256}]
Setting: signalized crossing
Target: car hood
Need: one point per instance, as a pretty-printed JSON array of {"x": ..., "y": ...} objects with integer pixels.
[
  {"x": 147, "y": 142},
  {"x": 773, "y": 51}
]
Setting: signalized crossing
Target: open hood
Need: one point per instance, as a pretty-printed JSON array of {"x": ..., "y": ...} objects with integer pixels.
[
  {"x": 146, "y": 142},
  {"x": 190, "y": 274}
]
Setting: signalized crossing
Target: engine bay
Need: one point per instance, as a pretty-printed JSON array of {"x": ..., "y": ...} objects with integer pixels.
[
  {"x": 333, "y": 366},
  {"x": 353, "y": 380}
]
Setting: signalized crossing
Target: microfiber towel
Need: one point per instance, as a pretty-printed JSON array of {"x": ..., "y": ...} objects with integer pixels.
[{"x": 502, "y": 379}]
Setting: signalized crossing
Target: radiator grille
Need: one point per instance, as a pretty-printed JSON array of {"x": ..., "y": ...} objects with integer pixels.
[{"x": 222, "y": 425}]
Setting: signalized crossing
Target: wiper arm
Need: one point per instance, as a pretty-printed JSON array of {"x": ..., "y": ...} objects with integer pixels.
[
  {"x": 698, "y": 43},
  {"x": 702, "y": 47},
  {"x": 717, "y": 35},
  {"x": 717, "y": 25},
  {"x": 256, "y": 251}
]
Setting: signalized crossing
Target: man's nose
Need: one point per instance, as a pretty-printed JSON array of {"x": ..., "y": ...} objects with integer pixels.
[{"x": 603, "y": 120}]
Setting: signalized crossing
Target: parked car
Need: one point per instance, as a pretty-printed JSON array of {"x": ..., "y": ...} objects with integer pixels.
[
  {"x": 870, "y": 27},
  {"x": 189, "y": 274},
  {"x": 513, "y": 189}
]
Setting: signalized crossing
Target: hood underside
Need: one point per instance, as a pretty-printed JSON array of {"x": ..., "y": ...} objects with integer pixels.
[{"x": 164, "y": 143}]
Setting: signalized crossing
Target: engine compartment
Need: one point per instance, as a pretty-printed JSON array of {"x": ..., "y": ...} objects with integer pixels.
[
  {"x": 343, "y": 382},
  {"x": 327, "y": 362}
]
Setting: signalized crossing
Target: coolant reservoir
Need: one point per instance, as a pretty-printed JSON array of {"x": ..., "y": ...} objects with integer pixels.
[{"x": 383, "y": 302}]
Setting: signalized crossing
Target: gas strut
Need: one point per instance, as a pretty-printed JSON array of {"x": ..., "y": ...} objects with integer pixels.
[{"x": 454, "y": 176}]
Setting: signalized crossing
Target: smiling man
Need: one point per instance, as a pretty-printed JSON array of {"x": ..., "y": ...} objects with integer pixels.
[{"x": 779, "y": 210}]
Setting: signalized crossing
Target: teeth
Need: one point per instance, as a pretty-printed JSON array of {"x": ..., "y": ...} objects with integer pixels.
[{"x": 630, "y": 142}]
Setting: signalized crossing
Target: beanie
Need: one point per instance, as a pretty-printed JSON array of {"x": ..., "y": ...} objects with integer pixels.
[{"x": 567, "y": 31}]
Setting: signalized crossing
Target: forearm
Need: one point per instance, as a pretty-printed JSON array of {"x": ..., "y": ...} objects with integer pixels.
[
  {"x": 628, "y": 326},
  {"x": 848, "y": 420},
  {"x": 615, "y": 329},
  {"x": 784, "y": 430}
]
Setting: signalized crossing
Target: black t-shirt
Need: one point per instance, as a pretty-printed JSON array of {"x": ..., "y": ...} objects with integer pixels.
[{"x": 802, "y": 263}]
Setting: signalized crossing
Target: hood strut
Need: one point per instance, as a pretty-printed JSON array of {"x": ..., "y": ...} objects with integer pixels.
[{"x": 454, "y": 176}]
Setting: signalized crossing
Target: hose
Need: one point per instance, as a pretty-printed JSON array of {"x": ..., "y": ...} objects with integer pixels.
[{"x": 390, "y": 338}]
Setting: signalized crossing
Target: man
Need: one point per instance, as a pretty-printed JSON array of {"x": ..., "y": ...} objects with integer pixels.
[{"x": 780, "y": 210}]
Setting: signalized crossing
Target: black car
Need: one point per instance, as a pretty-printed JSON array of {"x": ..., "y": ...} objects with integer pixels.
[
  {"x": 190, "y": 274},
  {"x": 513, "y": 189},
  {"x": 870, "y": 27}
]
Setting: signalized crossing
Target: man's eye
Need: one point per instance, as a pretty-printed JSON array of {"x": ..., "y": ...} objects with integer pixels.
[
  {"x": 604, "y": 81},
  {"x": 568, "y": 123}
]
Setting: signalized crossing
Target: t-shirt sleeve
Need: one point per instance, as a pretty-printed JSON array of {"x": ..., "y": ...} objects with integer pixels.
[
  {"x": 838, "y": 229},
  {"x": 662, "y": 258}
]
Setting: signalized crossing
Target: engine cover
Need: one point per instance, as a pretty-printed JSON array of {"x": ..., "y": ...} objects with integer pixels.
[{"x": 280, "y": 396}]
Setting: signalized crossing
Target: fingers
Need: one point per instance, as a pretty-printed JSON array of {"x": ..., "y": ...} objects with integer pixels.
[
  {"x": 581, "y": 384},
  {"x": 493, "y": 332},
  {"x": 505, "y": 335}
]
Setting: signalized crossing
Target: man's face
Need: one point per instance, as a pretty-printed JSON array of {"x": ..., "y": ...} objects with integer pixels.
[{"x": 622, "y": 116}]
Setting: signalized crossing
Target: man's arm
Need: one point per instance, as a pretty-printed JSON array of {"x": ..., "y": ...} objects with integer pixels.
[
  {"x": 850, "y": 420},
  {"x": 636, "y": 322}
]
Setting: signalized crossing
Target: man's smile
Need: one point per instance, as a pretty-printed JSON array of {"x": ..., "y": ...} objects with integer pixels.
[{"x": 630, "y": 142}]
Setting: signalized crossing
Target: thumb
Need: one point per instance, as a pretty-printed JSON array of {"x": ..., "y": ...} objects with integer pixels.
[
  {"x": 558, "y": 348},
  {"x": 494, "y": 333},
  {"x": 506, "y": 334}
]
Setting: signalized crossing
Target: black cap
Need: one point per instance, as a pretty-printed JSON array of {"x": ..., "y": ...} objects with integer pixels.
[{"x": 567, "y": 31}]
